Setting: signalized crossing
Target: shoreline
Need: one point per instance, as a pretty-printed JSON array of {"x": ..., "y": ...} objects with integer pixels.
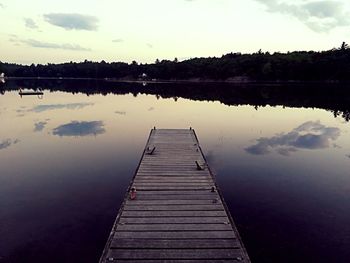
[{"x": 181, "y": 81}]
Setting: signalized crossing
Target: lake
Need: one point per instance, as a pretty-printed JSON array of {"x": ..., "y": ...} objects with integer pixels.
[{"x": 280, "y": 153}]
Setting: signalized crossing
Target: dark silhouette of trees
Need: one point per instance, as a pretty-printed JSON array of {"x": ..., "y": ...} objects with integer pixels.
[{"x": 330, "y": 65}]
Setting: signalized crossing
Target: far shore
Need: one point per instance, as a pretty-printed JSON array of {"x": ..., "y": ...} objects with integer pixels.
[{"x": 165, "y": 81}]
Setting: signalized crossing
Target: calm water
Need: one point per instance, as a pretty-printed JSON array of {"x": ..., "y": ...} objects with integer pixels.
[{"x": 66, "y": 161}]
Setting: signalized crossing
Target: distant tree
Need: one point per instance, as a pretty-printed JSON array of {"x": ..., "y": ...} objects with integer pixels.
[
  {"x": 175, "y": 60},
  {"x": 344, "y": 46}
]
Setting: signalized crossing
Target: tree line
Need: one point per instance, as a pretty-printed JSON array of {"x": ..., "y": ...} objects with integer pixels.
[{"x": 330, "y": 65}]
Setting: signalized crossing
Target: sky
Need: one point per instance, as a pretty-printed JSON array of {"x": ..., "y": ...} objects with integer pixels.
[{"x": 41, "y": 31}]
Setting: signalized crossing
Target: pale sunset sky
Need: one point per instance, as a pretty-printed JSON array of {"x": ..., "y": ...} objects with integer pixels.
[{"x": 42, "y": 31}]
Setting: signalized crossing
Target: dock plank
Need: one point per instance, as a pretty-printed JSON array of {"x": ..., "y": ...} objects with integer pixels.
[
  {"x": 174, "y": 220},
  {"x": 223, "y": 253},
  {"x": 210, "y": 207},
  {"x": 128, "y": 213},
  {"x": 170, "y": 202},
  {"x": 173, "y": 227},
  {"x": 177, "y": 213},
  {"x": 178, "y": 243},
  {"x": 174, "y": 234},
  {"x": 175, "y": 260}
]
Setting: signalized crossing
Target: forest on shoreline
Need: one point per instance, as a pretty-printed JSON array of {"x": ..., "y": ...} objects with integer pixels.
[{"x": 330, "y": 65}]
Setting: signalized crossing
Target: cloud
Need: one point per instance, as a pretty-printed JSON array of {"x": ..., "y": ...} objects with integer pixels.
[
  {"x": 336, "y": 146},
  {"x": 151, "y": 109},
  {"x": 319, "y": 16},
  {"x": 47, "y": 107},
  {"x": 84, "y": 128},
  {"x": 2, "y": 5},
  {"x": 72, "y": 21},
  {"x": 118, "y": 40},
  {"x": 149, "y": 45},
  {"x": 29, "y": 23},
  {"x": 70, "y": 106},
  {"x": 39, "y": 44},
  {"x": 7, "y": 143},
  {"x": 39, "y": 126},
  {"x": 309, "y": 135},
  {"x": 286, "y": 151},
  {"x": 13, "y": 38},
  {"x": 120, "y": 112},
  {"x": 21, "y": 111}
]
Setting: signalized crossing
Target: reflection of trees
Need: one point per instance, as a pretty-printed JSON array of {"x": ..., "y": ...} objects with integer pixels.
[
  {"x": 345, "y": 114},
  {"x": 332, "y": 97}
]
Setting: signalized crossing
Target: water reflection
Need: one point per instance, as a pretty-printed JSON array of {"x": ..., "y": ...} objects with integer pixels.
[
  {"x": 309, "y": 135},
  {"x": 7, "y": 143},
  {"x": 54, "y": 189},
  {"x": 23, "y": 110},
  {"x": 39, "y": 126},
  {"x": 70, "y": 106},
  {"x": 329, "y": 96},
  {"x": 83, "y": 128}
]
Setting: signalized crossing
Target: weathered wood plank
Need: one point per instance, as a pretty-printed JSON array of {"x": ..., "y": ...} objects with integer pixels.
[
  {"x": 174, "y": 234},
  {"x": 161, "y": 196},
  {"x": 173, "y": 174},
  {"x": 173, "y": 169},
  {"x": 173, "y": 227},
  {"x": 170, "y": 188},
  {"x": 211, "y": 207},
  {"x": 179, "y": 192},
  {"x": 176, "y": 253},
  {"x": 174, "y": 220},
  {"x": 175, "y": 243},
  {"x": 172, "y": 213},
  {"x": 138, "y": 202},
  {"x": 172, "y": 180},
  {"x": 167, "y": 184},
  {"x": 164, "y": 178},
  {"x": 174, "y": 260}
]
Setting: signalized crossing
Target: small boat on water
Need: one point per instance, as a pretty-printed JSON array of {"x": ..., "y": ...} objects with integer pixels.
[
  {"x": 30, "y": 93},
  {"x": 2, "y": 77}
]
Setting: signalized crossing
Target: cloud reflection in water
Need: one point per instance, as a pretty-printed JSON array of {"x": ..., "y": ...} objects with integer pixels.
[
  {"x": 309, "y": 135},
  {"x": 7, "y": 143},
  {"x": 120, "y": 112},
  {"x": 70, "y": 106},
  {"x": 83, "y": 128},
  {"x": 39, "y": 126}
]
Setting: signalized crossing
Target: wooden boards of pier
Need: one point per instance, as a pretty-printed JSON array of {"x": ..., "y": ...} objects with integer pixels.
[{"x": 173, "y": 211}]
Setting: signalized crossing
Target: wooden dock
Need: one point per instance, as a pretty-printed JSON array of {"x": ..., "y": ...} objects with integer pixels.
[{"x": 173, "y": 210}]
